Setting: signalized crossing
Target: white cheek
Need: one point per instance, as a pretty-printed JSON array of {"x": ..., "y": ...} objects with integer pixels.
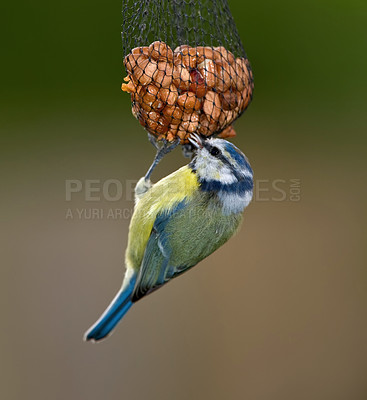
[
  {"x": 212, "y": 169},
  {"x": 206, "y": 166}
]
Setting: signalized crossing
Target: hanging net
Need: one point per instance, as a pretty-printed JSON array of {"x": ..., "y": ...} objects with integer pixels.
[{"x": 186, "y": 67}]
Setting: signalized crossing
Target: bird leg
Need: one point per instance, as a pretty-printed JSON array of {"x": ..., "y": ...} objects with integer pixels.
[
  {"x": 162, "y": 150},
  {"x": 144, "y": 183}
]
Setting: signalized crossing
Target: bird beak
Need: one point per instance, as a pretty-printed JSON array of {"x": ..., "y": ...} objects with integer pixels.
[{"x": 196, "y": 141}]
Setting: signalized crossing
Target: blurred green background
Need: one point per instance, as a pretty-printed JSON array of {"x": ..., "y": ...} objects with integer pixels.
[{"x": 280, "y": 311}]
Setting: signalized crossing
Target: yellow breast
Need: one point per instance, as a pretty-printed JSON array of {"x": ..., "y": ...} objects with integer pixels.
[{"x": 163, "y": 196}]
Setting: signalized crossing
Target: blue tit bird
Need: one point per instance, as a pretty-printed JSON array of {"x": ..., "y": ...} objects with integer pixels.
[{"x": 179, "y": 221}]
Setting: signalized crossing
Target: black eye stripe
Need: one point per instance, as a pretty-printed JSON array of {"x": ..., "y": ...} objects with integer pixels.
[{"x": 214, "y": 151}]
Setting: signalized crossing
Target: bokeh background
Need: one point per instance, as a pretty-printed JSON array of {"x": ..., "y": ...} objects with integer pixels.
[{"x": 280, "y": 311}]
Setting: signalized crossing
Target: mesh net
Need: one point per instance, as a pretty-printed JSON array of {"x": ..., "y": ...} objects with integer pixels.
[{"x": 186, "y": 67}]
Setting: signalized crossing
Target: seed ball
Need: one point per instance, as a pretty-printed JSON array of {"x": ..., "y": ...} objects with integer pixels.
[{"x": 191, "y": 89}]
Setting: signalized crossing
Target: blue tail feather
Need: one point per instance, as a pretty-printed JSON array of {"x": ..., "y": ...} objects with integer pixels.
[{"x": 119, "y": 306}]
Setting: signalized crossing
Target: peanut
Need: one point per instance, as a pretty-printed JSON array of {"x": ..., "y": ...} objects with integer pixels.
[
  {"x": 191, "y": 117},
  {"x": 207, "y": 126},
  {"x": 205, "y": 52},
  {"x": 169, "y": 95},
  {"x": 173, "y": 114},
  {"x": 163, "y": 125},
  {"x": 212, "y": 105},
  {"x": 181, "y": 77},
  {"x": 132, "y": 60},
  {"x": 241, "y": 78},
  {"x": 160, "y": 51},
  {"x": 155, "y": 123},
  {"x": 186, "y": 56},
  {"x": 144, "y": 71},
  {"x": 163, "y": 76},
  {"x": 173, "y": 128},
  {"x": 188, "y": 102},
  {"x": 129, "y": 87},
  {"x": 226, "y": 117},
  {"x": 170, "y": 137},
  {"x": 227, "y": 133},
  {"x": 243, "y": 99},
  {"x": 182, "y": 134},
  {"x": 246, "y": 95},
  {"x": 224, "y": 75},
  {"x": 197, "y": 83},
  {"x": 221, "y": 53},
  {"x": 229, "y": 100},
  {"x": 149, "y": 99},
  {"x": 178, "y": 49},
  {"x": 208, "y": 71},
  {"x": 190, "y": 122},
  {"x": 141, "y": 50}
]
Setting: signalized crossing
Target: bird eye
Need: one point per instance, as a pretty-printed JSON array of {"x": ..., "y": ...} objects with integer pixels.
[{"x": 214, "y": 151}]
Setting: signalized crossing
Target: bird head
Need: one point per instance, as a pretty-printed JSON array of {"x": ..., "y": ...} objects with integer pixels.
[
  {"x": 222, "y": 168},
  {"x": 219, "y": 160}
]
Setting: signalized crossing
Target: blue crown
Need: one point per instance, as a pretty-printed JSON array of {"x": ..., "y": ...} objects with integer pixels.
[{"x": 238, "y": 156}]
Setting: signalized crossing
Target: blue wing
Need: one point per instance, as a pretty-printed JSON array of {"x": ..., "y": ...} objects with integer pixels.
[
  {"x": 180, "y": 239},
  {"x": 155, "y": 269}
]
